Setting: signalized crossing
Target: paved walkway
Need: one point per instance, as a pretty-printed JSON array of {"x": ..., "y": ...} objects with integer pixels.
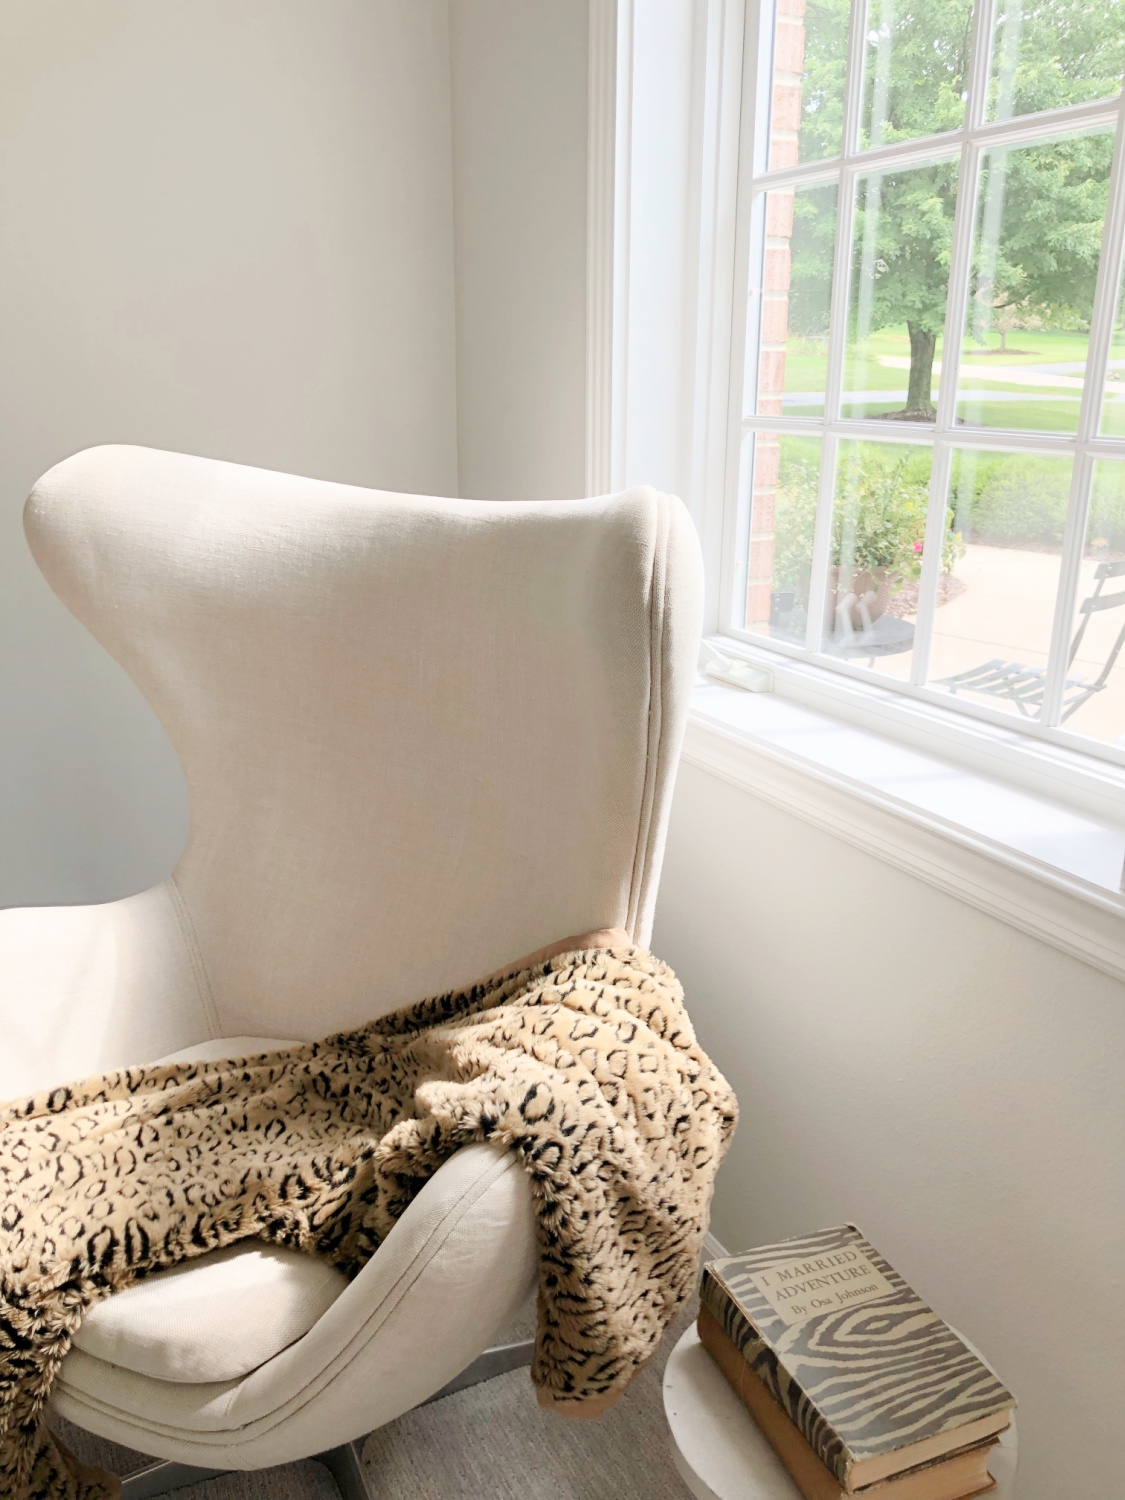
[{"x": 854, "y": 398}]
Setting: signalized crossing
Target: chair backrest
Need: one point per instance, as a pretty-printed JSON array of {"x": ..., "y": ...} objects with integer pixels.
[
  {"x": 421, "y": 736},
  {"x": 1097, "y": 599},
  {"x": 1095, "y": 603}
]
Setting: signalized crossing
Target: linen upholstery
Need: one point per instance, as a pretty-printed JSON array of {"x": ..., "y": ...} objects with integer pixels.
[
  {"x": 215, "y": 1318},
  {"x": 454, "y": 1270},
  {"x": 421, "y": 736},
  {"x": 415, "y": 732},
  {"x": 584, "y": 1065},
  {"x": 85, "y": 988}
]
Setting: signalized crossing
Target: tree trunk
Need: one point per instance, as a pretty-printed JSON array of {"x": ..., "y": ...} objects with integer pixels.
[
  {"x": 1003, "y": 339},
  {"x": 919, "y": 400}
]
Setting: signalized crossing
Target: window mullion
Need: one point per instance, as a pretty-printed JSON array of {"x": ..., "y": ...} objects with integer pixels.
[
  {"x": 1089, "y": 418},
  {"x": 980, "y": 63},
  {"x": 964, "y": 219},
  {"x": 1021, "y": 130},
  {"x": 736, "y": 538},
  {"x": 994, "y": 439},
  {"x": 837, "y": 331},
  {"x": 822, "y": 544},
  {"x": 841, "y": 278},
  {"x": 757, "y": 55},
  {"x": 1074, "y": 538},
  {"x": 1105, "y": 293},
  {"x": 752, "y": 317},
  {"x": 853, "y": 90},
  {"x": 931, "y": 562},
  {"x": 760, "y": 39},
  {"x": 837, "y": 342}
]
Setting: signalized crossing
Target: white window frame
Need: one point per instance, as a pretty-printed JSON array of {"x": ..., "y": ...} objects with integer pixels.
[
  {"x": 1040, "y": 748},
  {"x": 670, "y": 114}
]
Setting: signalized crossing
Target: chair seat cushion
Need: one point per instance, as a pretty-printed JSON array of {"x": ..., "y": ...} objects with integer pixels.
[{"x": 223, "y": 1314}]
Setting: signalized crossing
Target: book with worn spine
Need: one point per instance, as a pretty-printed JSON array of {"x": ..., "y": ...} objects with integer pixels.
[{"x": 875, "y": 1382}]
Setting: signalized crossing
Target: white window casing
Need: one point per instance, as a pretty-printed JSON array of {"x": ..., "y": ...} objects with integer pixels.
[
  {"x": 968, "y": 145},
  {"x": 679, "y": 105}
]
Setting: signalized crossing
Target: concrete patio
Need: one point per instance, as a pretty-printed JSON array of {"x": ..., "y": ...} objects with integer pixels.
[{"x": 1005, "y": 612}]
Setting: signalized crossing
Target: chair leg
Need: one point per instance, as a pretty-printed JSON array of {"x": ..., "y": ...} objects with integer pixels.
[
  {"x": 159, "y": 1478},
  {"x": 346, "y": 1468},
  {"x": 343, "y": 1464}
]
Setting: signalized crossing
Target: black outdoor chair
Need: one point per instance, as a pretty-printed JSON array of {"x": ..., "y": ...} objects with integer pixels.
[{"x": 1025, "y": 686}]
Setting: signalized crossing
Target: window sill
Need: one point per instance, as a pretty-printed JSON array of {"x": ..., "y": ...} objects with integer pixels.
[{"x": 1033, "y": 861}]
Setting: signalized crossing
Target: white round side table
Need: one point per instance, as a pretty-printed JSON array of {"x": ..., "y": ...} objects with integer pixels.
[{"x": 722, "y": 1455}]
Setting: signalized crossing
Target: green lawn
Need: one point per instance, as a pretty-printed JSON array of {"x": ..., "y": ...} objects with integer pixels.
[
  {"x": 806, "y": 366},
  {"x": 806, "y": 370},
  {"x": 1034, "y": 348},
  {"x": 1035, "y": 416}
]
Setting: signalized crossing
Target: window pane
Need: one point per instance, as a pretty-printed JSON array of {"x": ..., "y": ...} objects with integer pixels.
[
  {"x": 901, "y": 250},
  {"x": 785, "y": 472},
  {"x": 1044, "y": 56},
  {"x": 878, "y": 528},
  {"x": 915, "y": 69},
  {"x": 992, "y": 629},
  {"x": 800, "y": 233},
  {"x": 809, "y": 58},
  {"x": 1040, "y": 214},
  {"x": 1113, "y": 400},
  {"x": 1094, "y": 698}
]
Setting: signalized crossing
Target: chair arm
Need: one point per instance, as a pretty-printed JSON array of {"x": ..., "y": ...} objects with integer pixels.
[
  {"x": 86, "y": 988},
  {"x": 454, "y": 1270}
]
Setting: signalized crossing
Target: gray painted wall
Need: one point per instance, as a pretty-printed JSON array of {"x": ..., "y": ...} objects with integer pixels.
[
  {"x": 226, "y": 229},
  {"x": 519, "y": 192},
  {"x": 345, "y": 239},
  {"x": 901, "y": 1058},
  {"x": 950, "y": 1084}
]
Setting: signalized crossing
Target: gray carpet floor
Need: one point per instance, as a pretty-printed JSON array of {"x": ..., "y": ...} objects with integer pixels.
[{"x": 490, "y": 1442}]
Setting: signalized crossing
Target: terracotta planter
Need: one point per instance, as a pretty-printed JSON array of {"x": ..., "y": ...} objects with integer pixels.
[{"x": 872, "y": 589}]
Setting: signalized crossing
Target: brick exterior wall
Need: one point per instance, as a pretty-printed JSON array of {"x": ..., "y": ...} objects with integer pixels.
[{"x": 785, "y": 124}]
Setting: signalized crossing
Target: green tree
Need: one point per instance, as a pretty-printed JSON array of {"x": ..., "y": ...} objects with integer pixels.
[
  {"x": 1039, "y": 234},
  {"x": 900, "y": 269},
  {"x": 1048, "y": 53},
  {"x": 1037, "y": 246},
  {"x": 878, "y": 519},
  {"x": 812, "y": 249},
  {"x": 823, "y": 79}
]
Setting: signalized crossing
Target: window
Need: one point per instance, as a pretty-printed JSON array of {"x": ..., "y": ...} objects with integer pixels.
[{"x": 931, "y": 471}]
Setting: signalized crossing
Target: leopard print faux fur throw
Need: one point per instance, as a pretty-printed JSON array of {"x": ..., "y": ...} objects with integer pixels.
[{"x": 586, "y": 1065}]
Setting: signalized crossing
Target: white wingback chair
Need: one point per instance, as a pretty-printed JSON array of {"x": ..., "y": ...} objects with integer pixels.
[{"x": 421, "y": 737}]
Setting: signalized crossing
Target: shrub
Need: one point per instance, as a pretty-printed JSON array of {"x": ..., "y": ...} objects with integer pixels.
[
  {"x": 1020, "y": 500},
  {"x": 878, "y": 520},
  {"x": 1107, "y": 506},
  {"x": 1011, "y": 499}
]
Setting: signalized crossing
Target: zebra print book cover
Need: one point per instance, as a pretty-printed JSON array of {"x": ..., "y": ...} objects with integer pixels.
[{"x": 851, "y": 1353}]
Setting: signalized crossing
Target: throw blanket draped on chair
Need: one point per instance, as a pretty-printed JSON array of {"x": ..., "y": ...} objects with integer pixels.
[{"x": 585, "y": 1064}]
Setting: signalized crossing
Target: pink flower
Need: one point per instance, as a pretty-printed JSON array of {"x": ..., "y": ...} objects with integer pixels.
[{"x": 917, "y": 546}]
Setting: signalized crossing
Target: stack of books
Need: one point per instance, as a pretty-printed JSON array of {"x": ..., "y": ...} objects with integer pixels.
[{"x": 857, "y": 1383}]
